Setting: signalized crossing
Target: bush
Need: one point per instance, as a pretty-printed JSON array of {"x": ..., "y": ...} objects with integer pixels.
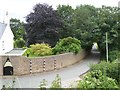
[
  {"x": 96, "y": 79},
  {"x": 67, "y": 45},
  {"x": 39, "y": 50},
  {"x": 43, "y": 84},
  {"x": 57, "y": 82},
  {"x": 112, "y": 70},
  {"x": 19, "y": 43},
  {"x": 113, "y": 55}
]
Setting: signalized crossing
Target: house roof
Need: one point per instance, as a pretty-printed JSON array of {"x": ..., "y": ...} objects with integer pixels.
[
  {"x": 2, "y": 29},
  {"x": 16, "y": 51}
]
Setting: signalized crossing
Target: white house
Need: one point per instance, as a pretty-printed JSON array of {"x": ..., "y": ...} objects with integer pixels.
[{"x": 6, "y": 36}]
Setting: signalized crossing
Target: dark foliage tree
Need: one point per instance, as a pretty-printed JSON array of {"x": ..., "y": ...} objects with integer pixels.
[{"x": 43, "y": 25}]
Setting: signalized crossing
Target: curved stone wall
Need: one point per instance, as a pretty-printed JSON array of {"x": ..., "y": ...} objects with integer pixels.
[{"x": 23, "y": 65}]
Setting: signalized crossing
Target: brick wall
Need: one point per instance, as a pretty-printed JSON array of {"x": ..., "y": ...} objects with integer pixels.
[
  {"x": 48, "y": 63},
  {"x": 1, "y": 67},
  {"x": 21, "y": 64}
]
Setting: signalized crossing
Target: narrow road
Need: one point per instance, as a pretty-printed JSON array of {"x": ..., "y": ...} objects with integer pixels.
[{"x": 66, "y": 74}]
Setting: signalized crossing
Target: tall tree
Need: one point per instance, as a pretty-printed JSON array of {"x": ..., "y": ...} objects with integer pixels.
[
  {"x": 107, "y": 21},
  {"x": 43, "y": 25},
  {"x": 17, "y": 28},
  {"x": 66, "y": 13},
  {"x": 84, "y": 24},
  {"x": 92, "y": 23}
]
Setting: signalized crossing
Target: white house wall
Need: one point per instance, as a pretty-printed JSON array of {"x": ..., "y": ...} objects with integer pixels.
[
  {"x": 0, "y": 47},
  {"x": 7, "y": 39}
]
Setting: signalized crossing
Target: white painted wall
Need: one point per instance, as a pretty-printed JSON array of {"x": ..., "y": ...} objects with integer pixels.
[
  {"x": 0, "y": 47},
  {"x": 7, "y": 40}
]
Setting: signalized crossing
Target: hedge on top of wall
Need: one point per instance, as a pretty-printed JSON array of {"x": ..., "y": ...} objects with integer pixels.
[
  {"x": 66, "y": 45},
  {"x": 36, "y": 50}
]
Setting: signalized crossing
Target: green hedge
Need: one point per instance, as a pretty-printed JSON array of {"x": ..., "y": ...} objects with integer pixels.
[
  {"x": 38, "y": 50},
  {"x": 68, "y": 44},
  {"x": 96, "y": 79},
  {"x": 112, "y": 70},
  {"x": 19, "y": 43},
  {"x": 113, "y": 55}
]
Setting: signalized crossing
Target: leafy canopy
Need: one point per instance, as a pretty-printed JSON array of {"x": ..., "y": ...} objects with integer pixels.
[{"x": 66, "y": 13}]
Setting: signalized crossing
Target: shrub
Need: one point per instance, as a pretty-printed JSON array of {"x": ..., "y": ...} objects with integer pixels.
[
  {"x": 96, "y": 79},
  {"x": 57, "y": 82},
  {"x": 113, "y": 55},
  {"x": 112, "y": 70},
  {"x": 19, "y": 43},
  {"x": 39, "y": 50},
  {"x": 43, "y": 84},
  {"x": 67, "y": 45}
]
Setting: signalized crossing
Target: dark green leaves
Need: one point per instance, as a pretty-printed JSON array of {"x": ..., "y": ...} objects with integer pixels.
[{"x": 43, "y": 25}]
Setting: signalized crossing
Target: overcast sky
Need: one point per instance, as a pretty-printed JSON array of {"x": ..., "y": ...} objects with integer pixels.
[{"x": 20, "y": 8}]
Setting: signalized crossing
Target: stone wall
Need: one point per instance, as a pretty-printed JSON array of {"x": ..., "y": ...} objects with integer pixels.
[
  {"x": 1, "y": 67},
  {"x": 21, "y": 65}
]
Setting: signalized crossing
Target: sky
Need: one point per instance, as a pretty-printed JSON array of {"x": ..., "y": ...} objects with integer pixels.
[{"x": 21, "y": 8}]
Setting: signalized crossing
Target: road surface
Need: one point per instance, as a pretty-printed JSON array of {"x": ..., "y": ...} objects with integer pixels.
[{"x": 67, "y": 74}]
